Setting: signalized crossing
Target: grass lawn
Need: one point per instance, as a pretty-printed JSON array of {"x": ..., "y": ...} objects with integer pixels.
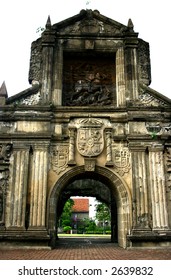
[{"x": 84, "y": 235}]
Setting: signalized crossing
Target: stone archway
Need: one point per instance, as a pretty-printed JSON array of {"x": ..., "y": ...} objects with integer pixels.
[{"x": 116, "y": 184}]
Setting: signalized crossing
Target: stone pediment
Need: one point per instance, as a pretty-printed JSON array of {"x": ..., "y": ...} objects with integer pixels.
[
  {"x": 30, "y": 96},
  {"x": 150, "y": 97},
  {"x": 90, "y": 22}
]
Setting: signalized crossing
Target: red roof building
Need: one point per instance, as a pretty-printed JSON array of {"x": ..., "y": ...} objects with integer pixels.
[
  {"x": 81, "y": 205},
  {"x": 80, "y": 212}
]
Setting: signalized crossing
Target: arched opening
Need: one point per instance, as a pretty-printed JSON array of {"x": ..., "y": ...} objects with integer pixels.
[{"x": 106, "y": 185}]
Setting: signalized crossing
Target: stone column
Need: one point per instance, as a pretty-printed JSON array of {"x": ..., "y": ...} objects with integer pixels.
[
  {"x": 140, "y": 188},
  {"x": 17, "y": 193},
  {"x": 120, "y": 77},
  {"x": 58, "y": 74},
  {"x": 158, "y": 189},
  {"x": 38, "y": 186},
  {"x": 71, "y": 159}
]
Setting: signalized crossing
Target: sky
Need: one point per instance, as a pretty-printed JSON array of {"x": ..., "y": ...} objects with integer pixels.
[{"x": 20, "y": 20}]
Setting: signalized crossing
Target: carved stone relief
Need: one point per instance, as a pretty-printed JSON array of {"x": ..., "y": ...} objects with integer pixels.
[
  {"x": 90, "y": 141},
  {"x": 4, "y": 177},
  {"x": 89, "y": 164},
  {"x": 7, "y": 127},
  {"x": 89, "y": 81},
  {"x": 166, "y": 128},
  {"x": 5, "y": 151},
  {"x": 147, "y": 99},
  {"x": 144, "y": 62},
  {"x": 121, "y": 159},
  {"x": 90, "y": 138},
  {"x": 59, "y": 158},
  {"x": 153, "y": 128},
  {"x": 33, "y": 99}
]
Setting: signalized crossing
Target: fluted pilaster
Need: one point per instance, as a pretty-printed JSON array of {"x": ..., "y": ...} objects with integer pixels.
[
  {"x": 157, "y": 186},
  {"x": 17, "y": 193},
  {"x": 120, "y": 77},
  {"x": 140, "y": 188},
  {"x": 38, "y": 183}
]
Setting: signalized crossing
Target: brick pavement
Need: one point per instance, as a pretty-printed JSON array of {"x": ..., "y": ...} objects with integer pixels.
[{"x": 85, "y": 249}]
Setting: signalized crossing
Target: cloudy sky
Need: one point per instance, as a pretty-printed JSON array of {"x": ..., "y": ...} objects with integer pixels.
[{"x": 20, "y": 19}]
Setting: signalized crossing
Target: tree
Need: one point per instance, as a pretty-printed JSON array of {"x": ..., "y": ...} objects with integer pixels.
[
  {"x": 103, "y": 215},
  {"x": 65, "y": 219}
]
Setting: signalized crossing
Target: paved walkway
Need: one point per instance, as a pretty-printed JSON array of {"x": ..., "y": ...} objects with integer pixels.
[{"x": 86, "y": 249}]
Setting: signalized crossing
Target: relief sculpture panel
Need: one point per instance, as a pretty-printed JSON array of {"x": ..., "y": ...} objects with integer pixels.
[{"x": 89, "y": 81}]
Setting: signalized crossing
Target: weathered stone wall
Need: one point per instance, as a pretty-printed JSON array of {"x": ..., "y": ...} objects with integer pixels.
[{"x": 89, "y": 115}]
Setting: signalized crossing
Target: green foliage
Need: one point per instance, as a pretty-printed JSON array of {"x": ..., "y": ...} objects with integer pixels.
[
  {"x": 67, "y": 228},
  {"x": 102, "y": 213},
  {"x": 65, "y": 219},
  {"x": 90, "y": 225}
]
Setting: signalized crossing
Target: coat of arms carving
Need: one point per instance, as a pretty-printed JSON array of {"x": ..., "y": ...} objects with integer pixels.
[
  {"x": 121, "y": 158},
  {"x": 59, "y": 158},
  {"x": 90, "y": 139}
]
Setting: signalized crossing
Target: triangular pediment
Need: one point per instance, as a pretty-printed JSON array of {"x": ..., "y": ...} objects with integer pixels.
[
  {"x": 90, "y": 22},
  {"x": 149, "y": 97}
]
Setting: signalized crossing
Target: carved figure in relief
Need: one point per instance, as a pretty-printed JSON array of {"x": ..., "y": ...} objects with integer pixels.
[{"x": 90, "y": 91}]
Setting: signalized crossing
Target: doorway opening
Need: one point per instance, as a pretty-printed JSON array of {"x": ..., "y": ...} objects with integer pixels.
[
  {"x": 102, "y": 184},
  {"x": 85, "y": 216}
]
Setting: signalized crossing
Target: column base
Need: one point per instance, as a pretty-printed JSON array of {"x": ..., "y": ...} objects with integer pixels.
[
  {"x": 24, "y": 238},
  {"x": 147, "y": 238}
]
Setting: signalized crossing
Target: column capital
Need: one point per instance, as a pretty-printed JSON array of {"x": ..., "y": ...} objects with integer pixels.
[
  {"x": 40, "y": 146},
  {"x": 20, "y": 146},
  {"x": 156, "y": 148},
  {"x": 137, "y": 147}
]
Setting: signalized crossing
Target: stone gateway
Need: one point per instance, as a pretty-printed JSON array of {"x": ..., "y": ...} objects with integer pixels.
[{"x": 89, "y": 125}]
